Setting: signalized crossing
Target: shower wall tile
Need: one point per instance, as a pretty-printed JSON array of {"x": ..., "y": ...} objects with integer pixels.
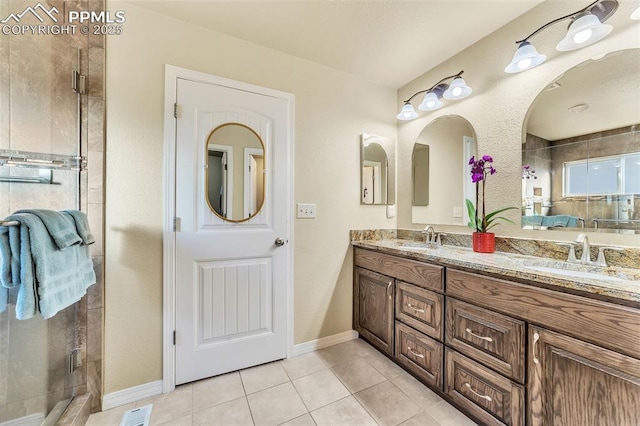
[
  {"x": 94, "y": 211},
  {"x": 96, "y": 165},
  {"x": 27, "y": 407},
  {"x": 43, "y": 118},
  {"x": 94, "y": 293},
  {"x": 94, "y": 384}
]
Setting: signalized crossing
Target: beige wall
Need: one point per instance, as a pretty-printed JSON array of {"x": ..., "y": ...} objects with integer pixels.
[
  {"x": 332, "y": 110},
  {"x": 498, "y": 106}
]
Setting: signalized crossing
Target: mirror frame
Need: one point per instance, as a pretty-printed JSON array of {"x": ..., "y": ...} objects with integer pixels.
[{"x": 206, "y": 180}]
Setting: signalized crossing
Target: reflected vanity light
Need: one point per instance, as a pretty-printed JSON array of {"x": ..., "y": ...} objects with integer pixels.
[
  {"x": 587, "y": 27},
  {"x": 636, "y": 14},
  {"x": 455, "y": 90}
]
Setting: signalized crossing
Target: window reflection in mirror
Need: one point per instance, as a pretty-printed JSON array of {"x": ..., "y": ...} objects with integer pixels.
[
  {"x": 451, "y": 142},
  {"x": 420, "y": 174},
  {"x": 377, "y": 170},
  {"x": 580, "y": 156},
  {"x": 235, "y": 172}
]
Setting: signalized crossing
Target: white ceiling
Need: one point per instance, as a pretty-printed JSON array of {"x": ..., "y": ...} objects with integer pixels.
[{"x": 389, "y": 42}]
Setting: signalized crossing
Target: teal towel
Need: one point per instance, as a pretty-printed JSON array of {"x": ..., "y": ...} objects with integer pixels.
[
  {"x": 532, "y": 220},
  {"x": 60, "y": 226},
  {"x": 60, "y": 278},
  {"x": 82, "y": 226},
  {"x": 563, "y": 220},
  {"x": 16, "y": 268}
]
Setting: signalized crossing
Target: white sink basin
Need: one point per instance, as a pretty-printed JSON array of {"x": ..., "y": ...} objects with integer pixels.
[{"x": 575, "y": 274}]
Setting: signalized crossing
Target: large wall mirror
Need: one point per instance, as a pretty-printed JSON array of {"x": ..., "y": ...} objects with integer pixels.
[
  {"x": 377, "y": 166},
  {"x": 439, "y": 171},
  {"x": 235, "y": 172},
  {"x": 581, "y": 150}
]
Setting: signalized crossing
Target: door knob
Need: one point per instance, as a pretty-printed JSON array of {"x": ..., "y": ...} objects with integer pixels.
[{"x": 279, "y": 242}]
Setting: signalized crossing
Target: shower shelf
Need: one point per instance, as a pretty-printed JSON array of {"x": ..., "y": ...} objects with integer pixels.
[{"x": 37, "y": 160}]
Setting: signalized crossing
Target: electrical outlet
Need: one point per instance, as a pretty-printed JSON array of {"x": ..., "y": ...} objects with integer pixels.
[
  {"x": 457, "y": 212},
  {"x": 306, "y": 211}
]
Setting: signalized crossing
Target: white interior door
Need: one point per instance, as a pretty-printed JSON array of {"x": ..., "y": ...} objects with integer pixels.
[{"x": 231, "y": 278}]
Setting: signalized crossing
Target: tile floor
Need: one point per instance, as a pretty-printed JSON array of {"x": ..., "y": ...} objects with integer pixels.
[{"x": 346, "y": 384}]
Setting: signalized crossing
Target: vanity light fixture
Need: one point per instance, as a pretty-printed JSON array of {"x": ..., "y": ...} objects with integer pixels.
[
  {"x": 586, "y": 28},
  {"x": 457, "y": 89}
]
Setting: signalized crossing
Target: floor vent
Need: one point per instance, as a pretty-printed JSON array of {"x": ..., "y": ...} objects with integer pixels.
[{"x": 137, "y": 417}]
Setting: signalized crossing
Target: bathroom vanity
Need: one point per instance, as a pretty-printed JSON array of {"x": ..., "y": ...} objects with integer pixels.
[{"x": 504, "y": 342}]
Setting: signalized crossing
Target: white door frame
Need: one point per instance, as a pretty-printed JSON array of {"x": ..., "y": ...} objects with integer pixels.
[
  {"x": 248, "y": 191},
  {"x": 228, "y": 193},
  {"x": 172, "y": 73}
]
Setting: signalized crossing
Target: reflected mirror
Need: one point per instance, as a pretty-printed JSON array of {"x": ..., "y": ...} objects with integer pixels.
[
  {"x": 420, "y": 175},
  {"x": 235, "y": 172},
  {"x": 581, "y": 150},
  {"x": 440, "y": 159},
  {"x": 377, "y": 170}
]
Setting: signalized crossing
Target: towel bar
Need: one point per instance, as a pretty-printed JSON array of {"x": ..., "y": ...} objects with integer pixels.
[{"x": 9, "y": 223}]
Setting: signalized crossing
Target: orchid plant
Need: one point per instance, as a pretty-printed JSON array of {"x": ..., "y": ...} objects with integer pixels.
[{"x": 480, "y": 170}]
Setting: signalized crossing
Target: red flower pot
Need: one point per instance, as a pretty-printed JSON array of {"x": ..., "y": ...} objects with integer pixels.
[{"x": 484, "y": 242}]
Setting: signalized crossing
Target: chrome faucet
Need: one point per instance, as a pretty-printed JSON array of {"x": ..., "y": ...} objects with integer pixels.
[
  {"x": 585, "y": 258},
  {"x": 429, "y": 234}
]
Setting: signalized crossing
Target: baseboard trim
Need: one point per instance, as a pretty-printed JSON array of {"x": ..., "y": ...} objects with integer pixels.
[
  {"x": 136, "y": 393},
  {"x": 323, "y": 342}
]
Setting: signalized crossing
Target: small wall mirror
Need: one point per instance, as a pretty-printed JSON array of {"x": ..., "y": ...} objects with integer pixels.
[
  {"x": 235, "y": 172},
  {"x": 420, "y": 175},
  {"x": 581, "y": 150},
  {"x": 377, "y": 167},
  {"x": 440, "y": 171}
]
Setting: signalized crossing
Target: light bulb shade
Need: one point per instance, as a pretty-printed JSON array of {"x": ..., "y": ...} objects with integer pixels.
[
  {"x": 582, "y": 32},
  {"x": 525, "y": 58},
  {"x": 457, "y": 90},
  {"x": 407, "y": 113},
  {"x": 430, "y": 102},
  {"x": 636, "y": 14}
]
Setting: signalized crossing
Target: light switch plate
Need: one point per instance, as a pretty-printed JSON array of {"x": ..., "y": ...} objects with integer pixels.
[
  {"x": 457, "y": 212},
  {"x": 391, "y": 211},
  {"x": 306, "y": 211}
]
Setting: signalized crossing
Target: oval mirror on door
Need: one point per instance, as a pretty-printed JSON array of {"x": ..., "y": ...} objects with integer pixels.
[{"x": 235, "y": 172}]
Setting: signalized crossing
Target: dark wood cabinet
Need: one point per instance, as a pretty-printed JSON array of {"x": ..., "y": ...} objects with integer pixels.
[
  {"x": 373, "y": 308},
  {"x": 576, "y": 383},
  {"x": 472, "y": 336}
]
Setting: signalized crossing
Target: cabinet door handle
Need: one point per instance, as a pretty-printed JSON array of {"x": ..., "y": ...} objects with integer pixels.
[
  {"x": 488, "y": 339},
  {"x": 414, "y": 353},
  {"x": 536, "y": 337},
  {"x": 487, "y": 397},
  {"x": 415, "y": 309},
  {"x": 389, "y": 289}
]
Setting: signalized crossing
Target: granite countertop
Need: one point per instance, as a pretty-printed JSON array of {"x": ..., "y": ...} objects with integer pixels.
[{"x": 612, "y": 283}]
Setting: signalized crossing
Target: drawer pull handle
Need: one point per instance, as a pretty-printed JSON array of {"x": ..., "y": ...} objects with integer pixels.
[
  {"x": 415, "y": 309},
  {"x": 536, "y": 337},
  {"x": 487, "y": 397},
  {"x": 414, "y": 353},
  {"x": 389, "y": 293},
  {"x": 488, "y": 339}
]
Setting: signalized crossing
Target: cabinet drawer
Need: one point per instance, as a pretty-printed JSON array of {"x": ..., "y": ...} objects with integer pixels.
[
  {"x": 485, "y": 394},
  {"x": 420, "y": 308},
  {"x": 493, "y": 339},
  {"x": 411, "y": 271},
  {"x": 420, "y": 354}
]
